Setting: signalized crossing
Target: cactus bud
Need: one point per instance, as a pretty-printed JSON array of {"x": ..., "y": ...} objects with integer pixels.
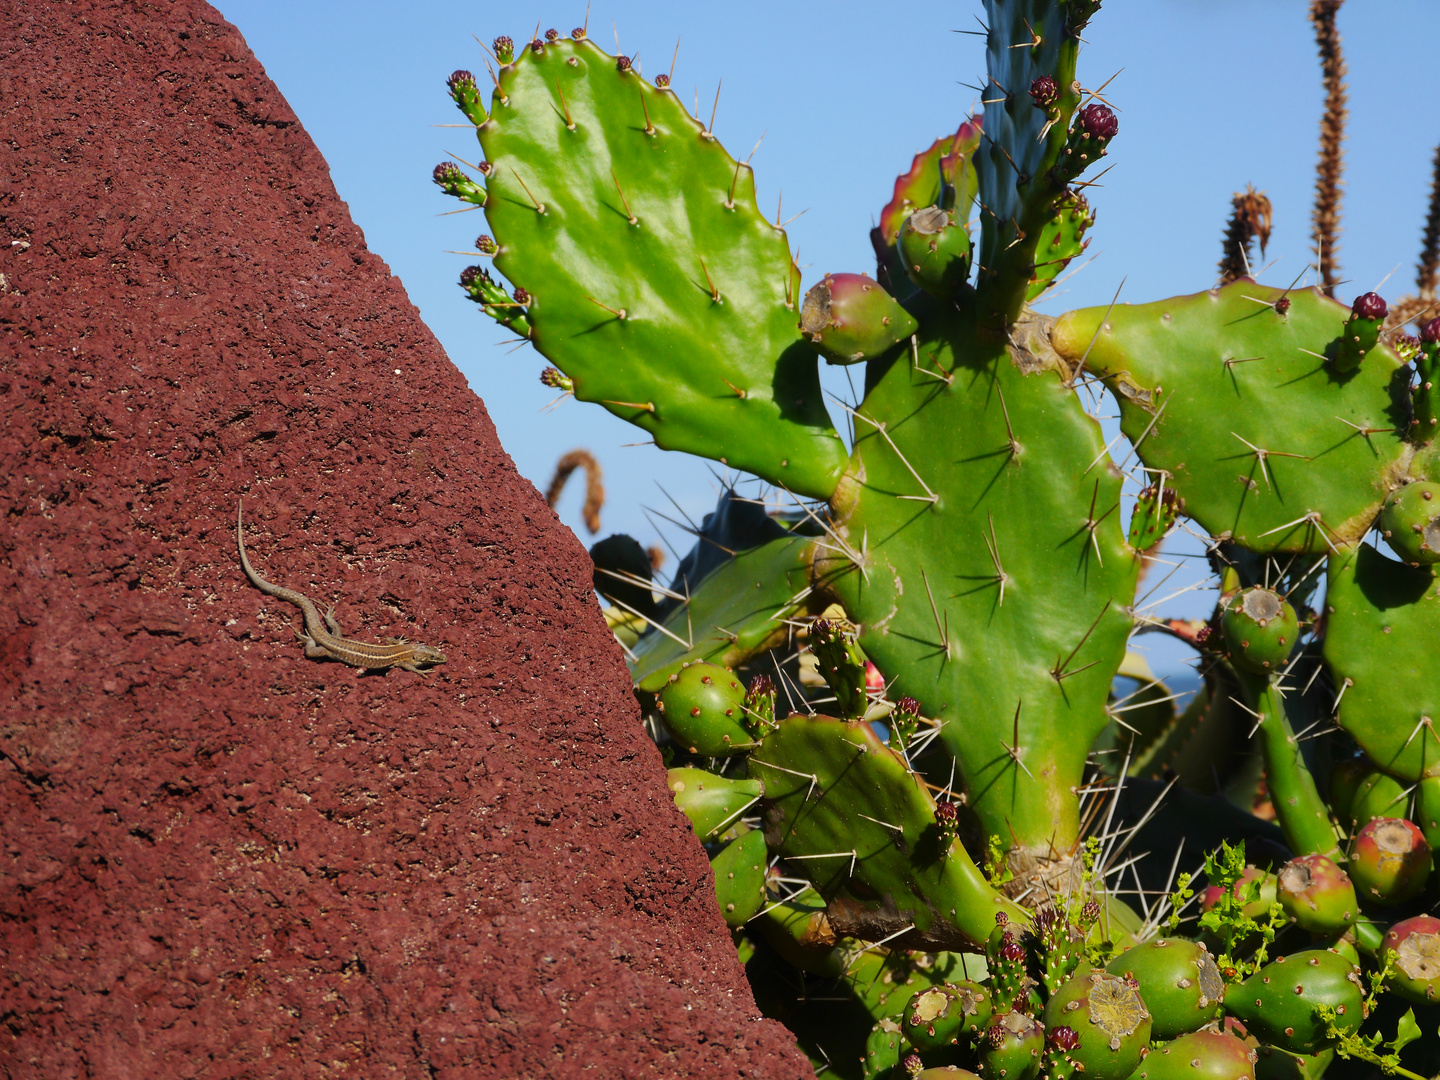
[
  {"x": 1317, "y": 895},
  {"x": 1410, "y": 522},
  {"x": 1282, "y": 305},
  {"x": 1045, "y": 91},
  {"x": 1389, "y": 861},
  {"x": 466, "y": 96},
  {"x": 1413, "y": 947},
  {"x": 485, "y": 244},
  {"x": 912, "y": 1065},
  {"x": 704, "y": 707},
  {"x": 662, "y": 81},
  {"x": 1430, "y": 332},
  {"x": 552, "y": 35},
  {"x": 947, "y": 823},
  {"x": 1406, "y": 346},
  {"x": 935, "y": 251},
  {"x": 851, "y": 318},
  {"x": 622, "y": 63},
  {"x": 1361, "y": 333},
  {"x": 1100, "y": 123},
  {"x": 1156, "y": 510},
  {"x": 452, "y": 181},
  {"x": 760, "y": 707},
  {"x": 578, "y": 33},
  {"x": 1095, "y": 125},
  {"x": 557, "y": 380},
  {"x": 504, "y": 49},
  {"x": 904, "y": 720},
  {"x": 522, "y": 296},
  {"x": 1260, "y": 629}
]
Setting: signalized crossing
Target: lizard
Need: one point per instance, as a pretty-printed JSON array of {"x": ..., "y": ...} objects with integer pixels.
[{"x": 323, "y": 637}]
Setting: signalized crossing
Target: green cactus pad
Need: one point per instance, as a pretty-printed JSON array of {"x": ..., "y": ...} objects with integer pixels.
[
  {"x": 1266, "y": 445},
  {"x": 704, "y": 707},
  {"x": 739, "y": 868},
  {"x": 1410, "y": 523},
  {"x": 712, "y": 803},
  {"x": 846, "y": 811},
  {"x": 1200, "y": 1055},
  {"x": 738, "y": 610},
  {"x": 676, "y": 311},
  {"x": 1383, "y": 622},
  {"x": 1109, "y": 1016},
  {"x": 1178, "y": 980},
  {"x": 926, "y": 549},
  {"x": 1278, "y": 1002}
]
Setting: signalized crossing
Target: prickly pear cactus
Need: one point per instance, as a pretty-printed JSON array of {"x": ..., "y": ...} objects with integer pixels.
[{"x": 903, "y": 714}]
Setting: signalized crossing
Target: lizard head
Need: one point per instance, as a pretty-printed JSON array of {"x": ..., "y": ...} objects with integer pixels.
[{"x": 426, "y": 654}]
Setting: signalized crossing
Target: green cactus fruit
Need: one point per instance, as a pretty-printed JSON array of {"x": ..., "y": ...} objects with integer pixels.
[
  {"x": 1377, "y": 795},
  {"x": 1005, "y": 957},
  {"x": 882, "y": 1051},
  {"x": 1361, "y": 333},
  {"x": 935, "y": 250},
  {"x": 1009, "y": 1048},
  {"x": 850, "y": 318},
  {"x": 1179, "y": 982},
  {"x": 1062, "y": 238},
  {"x": 1200, "y": 1055},
  {"x": 712, "y": 803},
  {"x": 1410, "y": 523},
  {"x": 1346, "y": 776},
  {"x": 1389, "y": 861},
  {"x": 760, "y": 707},
  {"x": 704, "y": 707},
  {"x": 1260, "y": 629},
  {"x": 467, "y": 96},
  {"x": 943, "y": 1072},
  {"x": 1278, "y": 1002},
  {"x": 1425, "y": 398},
  {"x": 1317, "y": 895},
  {"x": 1157, "y": 508},
  {"x": 452, "y": 181},
  {"x": 739, "y": 868},
  {"x": 1412, "y": 947},
  {"x": 904, "y": 720},
  {"x": 942, "y": 1015},
  {"x": 1109, "y": 1016},
  {"x": 841, "y": 664}
]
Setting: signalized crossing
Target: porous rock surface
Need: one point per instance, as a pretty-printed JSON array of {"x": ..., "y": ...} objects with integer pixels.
[{"x": 221, "y": 858}]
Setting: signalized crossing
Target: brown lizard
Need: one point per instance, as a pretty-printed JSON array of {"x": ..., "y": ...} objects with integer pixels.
[{"x": 323, "y": 638}]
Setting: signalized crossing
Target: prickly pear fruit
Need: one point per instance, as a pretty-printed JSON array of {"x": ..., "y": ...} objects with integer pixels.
[
  {"x": 1317, "y": 895},
  {"x": 1425, "y": 399},
  {"x": 1156, "y": 510},
  {"x": 711, "y": 802},
  {"x": 904, "y": 720},
  {"x": 739, "y": 869},
  {"x": 1278, "y": 1002},
  {"x": 1389, "y": 861},
  {"x": 1277, "y": 1065},
  {"x": 1413, "y": 947},
  {"x": 704, "y": 707},
  {"x": 841, "y": 663},
  {"x": 1410, "y": 523},
  {"x": 943, "y": 1072},
  {"x": 1010, "y": 1047},
  {"x": 1179, "y": 982},
  {"x": 1095, "y": 125},
  {"x": 1005, "y": 957},
  {"x": 941, "y": 1015},
  {"x": 1110, "y": 1017},
  {"x": 1361, "y": 333},
  {"x": 1260, "y": 629},
  {"x": 935, "y": 251},
  {"x": 760, "y": 707},
  {"x": 1256, "y": 909},
  {"x": 851, "y": 318},
  {"x": 1200, "y": 1055}
]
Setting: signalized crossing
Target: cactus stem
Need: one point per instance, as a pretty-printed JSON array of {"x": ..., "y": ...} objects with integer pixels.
[
  {"x": 942, "y": 629},
  {"x": 709, "y": 132},
  {"x": 539, "y": 206},
  {"x": 569, "y": 122},
  {"x": 629, "y": 214},
  {"x": 1058, "y": 672},
  {"x": 622, "y": 315},
  {"x": 1019, "y": 236},
  {"x": 714, "y": 292}
]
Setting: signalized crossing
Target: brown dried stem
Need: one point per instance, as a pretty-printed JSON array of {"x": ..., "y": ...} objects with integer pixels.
[
  {"x": 1430, "y": 240},
  {"x": 594, "y": 485},
  {"x": 1326, "y": 216},
  {"x": 1249, "y": 221}
]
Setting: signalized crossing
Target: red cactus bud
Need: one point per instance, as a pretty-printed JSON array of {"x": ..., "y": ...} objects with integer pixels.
[
  {"x": 537, "y": 46},
  {"x": 1282, "y": 305},
  {"x": 521, "y": 296},
  {"x": 1001, "y": 919},
  {"x": 622, "y": 63},
  {"x": 874, "y": 681},
  {"x": 1062, "y": 1038},
  {"x": 552, "y": 34},
  {"x": 1045, "y": 91},
  {"x": 1430, "y": 332},
  {"x": 504, "y": 48},
  {"x": 458, "y": 79},
  {"x": 1013, "y": 952},
  {"x": 662, "y": 81},
  {"x": 947, "y": 817},
  {"x": 447, "y": 172},
  {"x": 471, "y": 274},
  {"x": 486, "y": 244},
  {"x": 578, "y": 33},
  {"x": 1098, "y": 121},
  {"x": 1370, "y": 305},
  {"x": 913, "y": 1065}
]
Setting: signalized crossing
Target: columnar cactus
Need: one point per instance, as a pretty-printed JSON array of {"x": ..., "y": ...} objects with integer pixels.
[{"x": 962, "y": 580}]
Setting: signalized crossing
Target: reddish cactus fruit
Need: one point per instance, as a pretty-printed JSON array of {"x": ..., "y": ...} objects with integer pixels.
[
  {"x": 1100, "y": 122},
  {"x": 1430, "y": 332},
  {"x": 851, "y": 318},
  {"x": 1317, "y": 895},
  {"x": 1361, "y": 332},
  {"x": 1044, "y": 91},
  {"x": 1390, "y": 861},
  {"x": 1413, "y": 947},
  {"x": 1370, "y": 305}
]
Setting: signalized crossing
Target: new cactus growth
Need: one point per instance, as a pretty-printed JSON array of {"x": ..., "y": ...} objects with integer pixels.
[{"x": 964, "y": 570}]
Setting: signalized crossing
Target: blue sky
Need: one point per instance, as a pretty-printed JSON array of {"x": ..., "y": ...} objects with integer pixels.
[{"x": 1212, "y": 95}]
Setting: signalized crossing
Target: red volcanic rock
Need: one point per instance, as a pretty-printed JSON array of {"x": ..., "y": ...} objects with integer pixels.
[{"x": 220, "y": 858}]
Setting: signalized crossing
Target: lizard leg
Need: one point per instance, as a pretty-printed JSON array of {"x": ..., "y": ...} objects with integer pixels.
[{"x": 331, "y": 623}]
